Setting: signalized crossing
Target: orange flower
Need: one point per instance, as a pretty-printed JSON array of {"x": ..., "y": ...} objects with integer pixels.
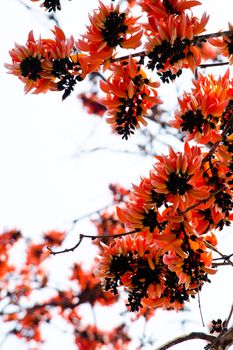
[
  {"x": 170, "y": 44},
  {"x": 36, "y": 254},
  {"x": 207, "y": 219},
  {"x": 91, "y": 104},
  {"x": 132, "y": 263},
  {"x": 179, "y": 177},
  {"x": 48, "y": 64},
  {"x": 147, "y": 194},
  {"x": 200, "y": 114},
  {"x": 27, "y": 65},
  {"x": 137, "y": 216},
  {"x": 225, "y": 44},
  {"x": 129, "y": 96},
  {"x": 156, "y": 9},
  {"x": 54, "y": 237},
  {"x": 109, "y": 28}
]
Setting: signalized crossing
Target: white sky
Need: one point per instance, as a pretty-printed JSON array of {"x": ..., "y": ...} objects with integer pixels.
[{"x": 45, "y": 183}]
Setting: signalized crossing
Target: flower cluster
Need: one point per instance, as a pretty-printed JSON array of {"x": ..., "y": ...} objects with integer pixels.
[
  {"x": 93, "y": 338},
  {"x": 129, "y": 96},
  {"x": 48, "y": 64},
  {"x": 202, "y": 113},
  {"x": 225, "y": 45},
  {"x": 152, "y": 276},
  {"x": 29, "y": 298},
  {"x": 167, "y": 258},
  {"x": 109, "y": 28},
  {"x": 171, "y": 36}
]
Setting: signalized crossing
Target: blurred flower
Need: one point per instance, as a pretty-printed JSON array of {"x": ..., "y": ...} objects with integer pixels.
[
  {"x": 91, "y": 104},
  {"x": 50, "y": 5}
]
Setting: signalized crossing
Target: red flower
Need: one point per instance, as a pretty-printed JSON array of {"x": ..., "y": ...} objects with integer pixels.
[
  {"x": 180, "y": 177},
  {"x": 129, "y": 96},
  {"x": 109, "y": 28},
  {"x": 200, "y": 114},
  {"x": 27, "y": 65},
  {"x": 224, "y": 45},
  {"x": 170, "y": 45}
]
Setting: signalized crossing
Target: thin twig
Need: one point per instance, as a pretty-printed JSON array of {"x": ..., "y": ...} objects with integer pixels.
[
  {"x": 196, "y": 39},
  {"x": 194, "y": 335},
  {"x": 225, "y": 263},
  {"x": 217, "y": 251},
  {"x": 92, "y": 237},
  {"x": 213, "y": 35},
  {"x": 206, "y": 65},
  {"x": 226, "y": 323},
  {"x": 225, "y": 338},
  {"x": 199, "y": 305},
  {"x": 98, "y": 211}
]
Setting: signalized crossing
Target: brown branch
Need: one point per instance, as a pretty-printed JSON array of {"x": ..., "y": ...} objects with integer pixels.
[
  {"x": 194, "y": 335},
  {"x": 229, "y": 317},
  {"x": 223, "y": 341},
  {"x": 213, "y": 35},
  {"x": 194, "y": 40},
  {"x": 224, "y": 263},
  {"x": 225, "y": 257},
  {"x": 92, "y": 237},
  {"x": 206, "y": 65}
]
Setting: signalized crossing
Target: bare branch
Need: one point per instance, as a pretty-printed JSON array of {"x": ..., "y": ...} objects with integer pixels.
[
  {"x": 194, "y": 335},
  {"x": 214, "y": 35},
  {"x": 92, "y": 237},
  {"x": 206, "y": 65},
  {"x": 223, "y": 341},
  {"x": 229, "y": 317},
  {"x": 196, "y": 39},
  {"x": 225, "y": 257}
]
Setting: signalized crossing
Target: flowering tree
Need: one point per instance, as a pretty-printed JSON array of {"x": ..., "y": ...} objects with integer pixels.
[{"x": 156, "y": 241}]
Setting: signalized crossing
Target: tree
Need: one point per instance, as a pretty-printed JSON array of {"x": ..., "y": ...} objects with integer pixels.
[{"x": 158, "y": 244}]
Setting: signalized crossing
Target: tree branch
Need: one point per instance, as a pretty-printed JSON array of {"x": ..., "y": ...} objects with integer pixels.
[
  {"x": 225, "y": 257},
  {"x": 213, "y": 35},
  {"x": 223, "y": 341},
  {"x": 196, "y": 39},
  {"x": 194, "y": 335},
  {"x": 206, "y": 65},
  {"x": 92, "y": 237}
]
